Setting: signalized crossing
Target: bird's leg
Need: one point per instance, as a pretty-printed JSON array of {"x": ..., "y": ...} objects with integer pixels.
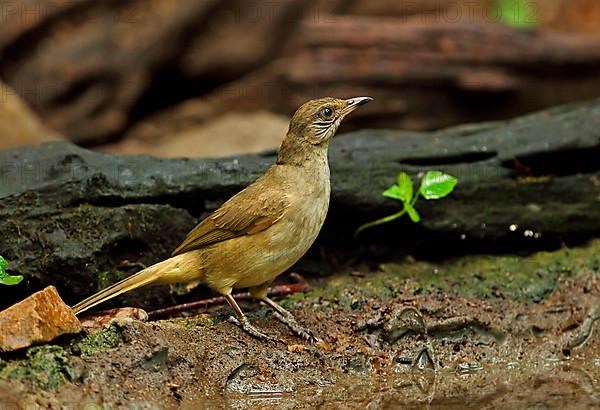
[
  {"x": 286, "y": 317},
  {"x": 243, "y": 322}
]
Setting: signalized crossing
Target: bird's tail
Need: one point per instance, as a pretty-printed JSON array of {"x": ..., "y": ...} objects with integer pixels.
[{"x": 144, "y": 277}]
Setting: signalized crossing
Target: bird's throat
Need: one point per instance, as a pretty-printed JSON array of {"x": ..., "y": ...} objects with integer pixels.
[{"x": 298, "y": 152}]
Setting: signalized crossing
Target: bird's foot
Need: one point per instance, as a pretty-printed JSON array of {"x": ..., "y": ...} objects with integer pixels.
[
  {"x": 300, "y": 331},
  {"x": 252, "y": 330},
  {"x": 289, "y": 320}
]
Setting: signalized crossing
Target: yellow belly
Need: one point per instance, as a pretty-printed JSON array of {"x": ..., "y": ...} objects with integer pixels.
[{"x": 253, "y": 260}]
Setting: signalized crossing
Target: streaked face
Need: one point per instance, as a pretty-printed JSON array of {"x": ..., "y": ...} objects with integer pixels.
[{"x": 318, "y": 120}]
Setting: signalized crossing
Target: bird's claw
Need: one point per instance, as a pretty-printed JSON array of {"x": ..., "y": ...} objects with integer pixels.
[
  {"x": 296, "y": 328},
  {"x": 252, "y": 330}
]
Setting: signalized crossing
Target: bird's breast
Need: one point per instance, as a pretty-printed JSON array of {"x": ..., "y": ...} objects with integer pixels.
[
  {"x": 295, "y": 233},
  {"x": 259, "y": 258},
  {"x": 306, "y": 217}
]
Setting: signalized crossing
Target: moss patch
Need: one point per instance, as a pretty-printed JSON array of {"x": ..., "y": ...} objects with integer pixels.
[
  {"x": 47, "y": 367},
  {"x": 104, "y": 339},
  {"x": 191, "y": 323},
  {"x": 524, "y": 279}
]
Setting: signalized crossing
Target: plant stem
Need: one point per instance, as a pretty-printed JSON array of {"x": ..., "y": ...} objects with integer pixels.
[
  {"x": 389, "y": 218},
  {"x": 383, "y": 220},
  {"x": 415, "y": 197}
]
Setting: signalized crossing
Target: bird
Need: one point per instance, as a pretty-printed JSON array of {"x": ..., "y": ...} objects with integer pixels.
[{"x": 263, "y": 230}]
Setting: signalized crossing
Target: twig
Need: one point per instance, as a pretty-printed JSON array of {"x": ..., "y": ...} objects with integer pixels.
[{"x": 300, "y": 285}]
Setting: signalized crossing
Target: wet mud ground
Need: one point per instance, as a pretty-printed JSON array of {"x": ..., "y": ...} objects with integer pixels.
[{"x": 474, "y": 332}]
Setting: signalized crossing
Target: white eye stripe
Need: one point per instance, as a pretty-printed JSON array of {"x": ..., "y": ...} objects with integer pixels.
[
  {"x": 321, "y": 132},
  {"x": 324, "y": 128}
]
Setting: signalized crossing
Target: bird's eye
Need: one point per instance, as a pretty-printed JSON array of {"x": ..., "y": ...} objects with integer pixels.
[{"x": 327, "y": 112}]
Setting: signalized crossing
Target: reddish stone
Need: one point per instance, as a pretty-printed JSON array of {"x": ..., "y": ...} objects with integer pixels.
[{"x": 40, "y": 318}]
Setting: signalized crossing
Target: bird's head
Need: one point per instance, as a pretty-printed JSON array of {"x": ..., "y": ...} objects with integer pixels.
[{"x": 314, "y": 124}]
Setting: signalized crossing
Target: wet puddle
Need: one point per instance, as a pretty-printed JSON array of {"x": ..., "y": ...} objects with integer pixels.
[{"x": 551, "y": 384}]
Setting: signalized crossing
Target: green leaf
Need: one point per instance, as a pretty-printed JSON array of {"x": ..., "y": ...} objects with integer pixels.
[
  {"x": 10, "y": 280},
  {"x": 436, "y": 184},
  {"x": 405, "y": 186},
  {"x": 412, "y": 213},
  {"x": 402, "y": 191},
  {"x": 522, "y": 14},
  {"x": 5, "y": 278},
  {"x": 393, "y": 192}
]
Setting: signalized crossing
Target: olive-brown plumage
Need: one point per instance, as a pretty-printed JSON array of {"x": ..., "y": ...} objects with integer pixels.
[{"x": 264, "y": 229}]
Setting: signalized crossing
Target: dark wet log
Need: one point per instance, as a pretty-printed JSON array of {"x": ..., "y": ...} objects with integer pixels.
[{"x": 80, "y": 219}]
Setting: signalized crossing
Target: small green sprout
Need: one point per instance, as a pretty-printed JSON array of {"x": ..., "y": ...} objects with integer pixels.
[
  {"x": 434, "y": 185},
  {"x": 5, "y": 278}
]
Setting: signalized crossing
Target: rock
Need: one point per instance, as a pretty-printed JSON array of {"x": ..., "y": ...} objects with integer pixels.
[
  {"x": 18, "y": 124},
  {"x": 40, "y": 318},
  {"x": 87, "y": 219}
]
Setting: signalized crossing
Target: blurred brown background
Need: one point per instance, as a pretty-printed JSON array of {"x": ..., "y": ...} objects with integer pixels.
[{"x": 213, "y": 78}]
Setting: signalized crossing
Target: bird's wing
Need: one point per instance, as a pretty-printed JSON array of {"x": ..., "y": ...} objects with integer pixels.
[{"x": 250, "y": 211}]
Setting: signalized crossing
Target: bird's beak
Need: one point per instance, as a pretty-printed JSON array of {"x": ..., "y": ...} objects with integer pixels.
[{"x": 353, "y": 103}]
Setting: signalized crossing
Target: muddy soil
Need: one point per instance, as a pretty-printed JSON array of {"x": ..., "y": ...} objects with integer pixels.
[{"x": 475, "y": 332}]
